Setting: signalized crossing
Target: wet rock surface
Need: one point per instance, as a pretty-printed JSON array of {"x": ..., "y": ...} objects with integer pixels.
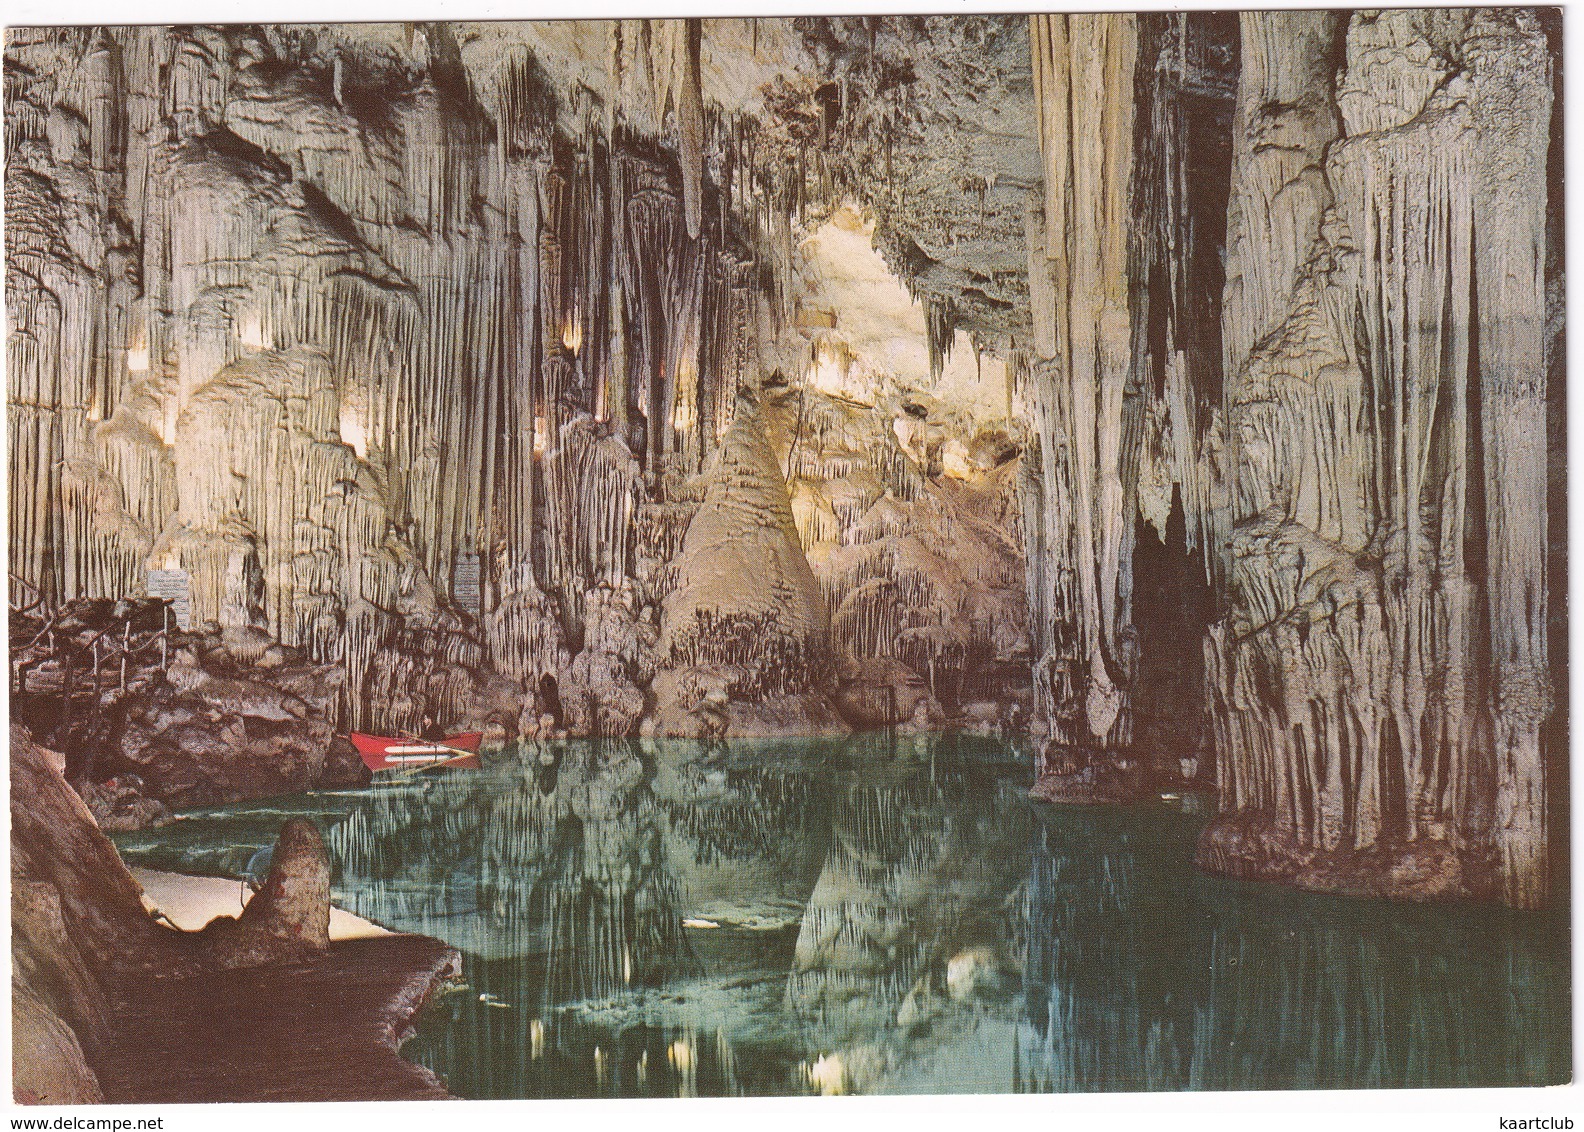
[
  {"x": 1253, "y": 846},
  {"x": 1077, "y": 777},
  {"x": 202, "y": 717},
  {"x": 110, "y": 1005}
]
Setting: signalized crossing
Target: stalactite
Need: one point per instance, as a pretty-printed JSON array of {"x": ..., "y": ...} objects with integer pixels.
[
  {"x": 592, "y": 491},
  {"x": 662, "y": 275},
  {"x": 1185, "y": 94},
  {"x": 940, "y": 325},
  {"x": 690, "y": 125},
  {"x": 401, "y": 274},
  {"x": 338, "y": 324}
]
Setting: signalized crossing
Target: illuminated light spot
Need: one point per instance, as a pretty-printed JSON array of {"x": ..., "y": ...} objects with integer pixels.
[
  {"x": 251, "y": 332},
  {"x": 138, "y": 359},
  {"x": 572, "y": 334},
  {"x": 695, "y": 923},
  {"x": 955, "y": 461},
  {"x": 541, "y": 435},
  {"x": 829, "y": 1075},
  {"x": 353, "y": 434}
]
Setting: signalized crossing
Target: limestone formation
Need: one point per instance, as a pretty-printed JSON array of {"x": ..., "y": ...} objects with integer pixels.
[
  {"x": 1372, "y": 515},
  {"x": 1184, "y": 389},
  {"x": 745, "y": 598},
  {"x": 176, "y": 719},
  {"x": 1078, "y": 489},
  {"x": 1380, "y": 680},
  {"x": 288, "y": 919}
]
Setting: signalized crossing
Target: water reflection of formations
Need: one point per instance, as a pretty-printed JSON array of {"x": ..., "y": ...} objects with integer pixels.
[
  {"x": 573, "y": 875},
  {"x": 697, "y": 833},
  {"x": 921, "y": 871},
  {"x": 732, "y": 813},
  {"x": 1141, "y": 974}
]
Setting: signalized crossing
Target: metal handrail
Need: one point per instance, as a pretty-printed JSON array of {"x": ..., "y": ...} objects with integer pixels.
[
  {"x": 27, "y": 587},
  {"x": 99, "y": 654}
]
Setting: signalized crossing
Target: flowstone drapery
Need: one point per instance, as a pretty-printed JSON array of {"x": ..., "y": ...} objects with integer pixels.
[
  {"x": 1364, "y": 468},
  {"x": 373, "y": 333},
  {"x": 1380, "y": 679}
]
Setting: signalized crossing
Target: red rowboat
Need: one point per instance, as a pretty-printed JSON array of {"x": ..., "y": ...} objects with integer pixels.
[{"x": 380, "y": 752}]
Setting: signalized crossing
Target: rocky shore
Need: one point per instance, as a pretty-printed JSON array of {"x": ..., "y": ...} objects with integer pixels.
[{"x": 111, "y": 1006}]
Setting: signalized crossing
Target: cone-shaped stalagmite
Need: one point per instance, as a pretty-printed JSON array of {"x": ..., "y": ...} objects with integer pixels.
[
  {"x": 418, "y": 352},
  {"x": 745, "y": 595}
]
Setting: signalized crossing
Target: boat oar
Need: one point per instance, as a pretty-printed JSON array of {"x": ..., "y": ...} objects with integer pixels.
[
  {"x": 439, "y": 762},
  {"x": 456, "y": 753}
]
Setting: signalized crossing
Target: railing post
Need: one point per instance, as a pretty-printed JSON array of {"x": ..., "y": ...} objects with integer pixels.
[
  {"x": 67, "y": 677},
  {"x": 126, "y": 638}
]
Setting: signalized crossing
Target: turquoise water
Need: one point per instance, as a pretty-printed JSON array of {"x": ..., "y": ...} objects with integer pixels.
[{"x": 880, "y": 915}]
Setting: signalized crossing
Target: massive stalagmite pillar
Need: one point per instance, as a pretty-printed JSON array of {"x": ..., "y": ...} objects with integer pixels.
[
  {"x": 1511, "y": 99},
  {"x": 1081, "y": 473},
  {"x": 1295, "y": 443}
]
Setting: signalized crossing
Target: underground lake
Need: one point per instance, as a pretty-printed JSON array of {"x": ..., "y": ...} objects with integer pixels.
[{"x": 884, "y": 914}]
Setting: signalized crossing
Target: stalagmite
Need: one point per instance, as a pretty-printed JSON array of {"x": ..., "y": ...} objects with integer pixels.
[{"x": 745, "y": 597}]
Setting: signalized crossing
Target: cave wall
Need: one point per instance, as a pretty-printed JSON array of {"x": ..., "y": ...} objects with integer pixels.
[
  {"x": 329, "y": 317},
  {"x": 1364, "y": 467},
  {"x": 903, "y": 479},
  {"x": 1119, "y": 380},
  {"x": 418, "y": 348},
  {"x": 1381, "y": 675}
]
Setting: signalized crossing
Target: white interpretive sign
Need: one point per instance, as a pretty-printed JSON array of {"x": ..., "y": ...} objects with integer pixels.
[
  {"x": 175, "y": 587},
  {"x": 465, "y": 582}
]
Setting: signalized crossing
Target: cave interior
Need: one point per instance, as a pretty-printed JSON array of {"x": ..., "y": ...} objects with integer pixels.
[{"x": 1178, "y": 396}]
